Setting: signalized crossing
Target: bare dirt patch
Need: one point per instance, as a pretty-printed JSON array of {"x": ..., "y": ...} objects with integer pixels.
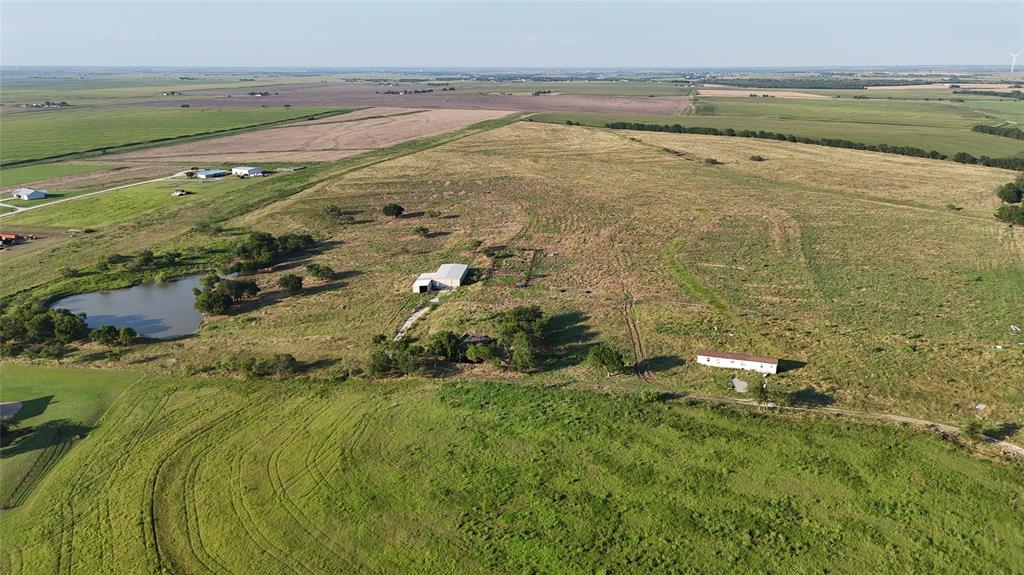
[
  {"x": 357, "y": 94},
  {"x": 326, "y": 139}
]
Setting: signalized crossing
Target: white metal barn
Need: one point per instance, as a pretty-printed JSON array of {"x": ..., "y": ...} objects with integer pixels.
[
  {"x": 28, "y": 194},
  {"x": 247, "y": 171},
  {"x": 210, "y": 174},
  {"x": 448, "y": 276},
  {"x": 731, "y": 360}
]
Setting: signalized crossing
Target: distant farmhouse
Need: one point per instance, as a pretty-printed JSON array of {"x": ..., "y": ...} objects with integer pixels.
[
  {"x": 28, "y": 194},
  {"x": 730, "y": 360},
  {"x": 210, "y": 174},
  {"x": 247, "y": 171},
  {"x": 448, "y": 276}
]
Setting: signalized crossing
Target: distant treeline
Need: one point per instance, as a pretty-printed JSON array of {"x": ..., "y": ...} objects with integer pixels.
[
  {"x": 1004, "y": 131},
  {"x": 816, "y": 83},
  {"x": 1015, "y": 94},
  {"x": 962, "y": 157}
]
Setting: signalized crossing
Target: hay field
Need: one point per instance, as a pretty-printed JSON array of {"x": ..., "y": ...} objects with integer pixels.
[
  {"x": 744, "y": 93},
  {"x": 782, "y": 257},
  {"x": 322, "y": 140},
  {"x": 204, "y": 476}
]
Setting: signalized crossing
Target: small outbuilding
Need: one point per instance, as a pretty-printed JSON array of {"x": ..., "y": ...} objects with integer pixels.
[
  {"x": 731, "y": 360},
  {"x": 448, "y": 276},
  {"x": 246, "y": 171},
  {"x": 210, "y": 174},
  {"x": 28, "y": 194}
]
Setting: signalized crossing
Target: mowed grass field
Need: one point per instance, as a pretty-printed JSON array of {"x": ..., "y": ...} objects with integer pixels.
[
  {"x": 59, "y": 408},
  {"x": 472, "y": 477},
  {"x": 53, "y": 133},
  {"x": 930, "y": 125}
]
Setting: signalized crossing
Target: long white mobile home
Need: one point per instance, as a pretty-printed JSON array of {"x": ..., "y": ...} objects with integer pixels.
[{"x": 731, "y": 360}]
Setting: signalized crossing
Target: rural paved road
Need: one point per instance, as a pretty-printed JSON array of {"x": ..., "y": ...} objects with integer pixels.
[{"x": 19, "y": 209}]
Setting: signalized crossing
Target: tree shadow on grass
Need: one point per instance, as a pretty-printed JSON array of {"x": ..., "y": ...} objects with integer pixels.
[
  {"x": 811, "y": 397},
  {"x": 45, "y": 435},
  {"x": 568, "y": 339},
  {"x": 660, "y": 363},
  {"x": 1003, "y": 430}
]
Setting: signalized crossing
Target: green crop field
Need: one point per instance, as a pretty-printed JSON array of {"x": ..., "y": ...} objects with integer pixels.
[
  {"x": 18, "y": 176},
  {"x": 59, "y": 406},
  {"x": 190, "y": 477},
  {"x": 37, "y": 135},
  {"x": 943, "y": 139}
]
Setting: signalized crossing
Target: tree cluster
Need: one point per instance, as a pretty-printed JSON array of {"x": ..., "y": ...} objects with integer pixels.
[
  {"x": 40, "y": 331},
  {"x": 219, "y": 294},
  {"x": 961, "y": 157},
  {"x": 261, "y": 250},
  {"x": 112, "y": 336},
  {"x": 279, "y": 365},
  {"x": 1013, "y": 94},
  {"x": 520, "y": 332},
  {"x": 142, "y": 261},
  {"x": 1004, "y": 131},
  {"x": 1012, "y": 210}
]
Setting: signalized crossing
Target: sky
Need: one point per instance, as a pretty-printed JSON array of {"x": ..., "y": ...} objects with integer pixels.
[{"x": 424, "y": 33}]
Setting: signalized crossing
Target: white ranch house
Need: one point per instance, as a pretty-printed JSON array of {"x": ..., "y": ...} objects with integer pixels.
[
  {"x": 28, "y": 194},
  {"x": 731, "y": 360},
  {"x": 448, "y": 276}
]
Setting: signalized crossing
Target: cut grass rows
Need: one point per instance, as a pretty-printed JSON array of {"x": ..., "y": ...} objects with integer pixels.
[{"x": 473, "y": 476}]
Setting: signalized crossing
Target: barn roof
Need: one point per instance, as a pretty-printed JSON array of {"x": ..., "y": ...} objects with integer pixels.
[
  {"x": 451, "y": 271},
  {"x": 737, "y": 356}
]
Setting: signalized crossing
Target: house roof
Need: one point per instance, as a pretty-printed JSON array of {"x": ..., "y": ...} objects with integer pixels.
[
  {"x": 737, "y": 356},
  {"x": 246, "y": 168}
]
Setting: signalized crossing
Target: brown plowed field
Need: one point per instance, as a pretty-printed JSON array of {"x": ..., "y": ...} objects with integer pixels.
[
  {"x": 367, "y": 94},
  {"x": 323, "y": 140}
]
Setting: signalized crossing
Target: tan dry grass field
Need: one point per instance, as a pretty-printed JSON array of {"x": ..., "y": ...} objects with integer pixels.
[
  {"x": 323, "y": 140},
  {"x": 782, "y": 257}
]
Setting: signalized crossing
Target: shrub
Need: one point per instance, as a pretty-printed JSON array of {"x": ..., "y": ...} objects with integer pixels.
[
  {"x": 290, "y": 283},
  {"x": 1011, "y": 214},
  {"x": 480, "y": 353},
  {"x": 712, "y": 162},
  {"x": 68, "y": 272},
  {"x": 126, "y": 336},
  {"x": 1011, "y": 192},
  {"x": 433, "y": 213},
  {"x": 528, "y": 320},
  {"x": 605, "y": 357},
  {"x": 444, "y": 344},
  {"x": 524, "y": 357},
  {"x": 421, "y": 231},
  {"x": 320, "y": 271},
  {"x": 974, "y": 430},
  {"x": 104, "y": 335},
  {"x": 393, "y": 210},
  {"x": 757, "y": 158}
]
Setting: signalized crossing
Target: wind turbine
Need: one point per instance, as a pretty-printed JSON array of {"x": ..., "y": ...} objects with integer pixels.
[{"x": 1013, "y": 62}]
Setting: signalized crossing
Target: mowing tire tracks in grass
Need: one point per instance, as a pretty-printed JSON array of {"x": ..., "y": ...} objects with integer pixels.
[
  {"x": 301, "y": 519},
  {"x": 639, "y": 356},
  {"x": 248, "y": 519},
  {"x": 154, "y": 479}
]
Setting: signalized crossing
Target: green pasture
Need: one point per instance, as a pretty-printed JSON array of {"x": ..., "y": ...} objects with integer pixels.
[
  {"x": 478, "y": 477},
  {"x": 46, "y": 134},
  {"x": 59, "y": 408}
]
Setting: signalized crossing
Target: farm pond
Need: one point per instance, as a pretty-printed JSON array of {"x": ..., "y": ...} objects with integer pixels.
[{"x": 152, "y": 310}]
